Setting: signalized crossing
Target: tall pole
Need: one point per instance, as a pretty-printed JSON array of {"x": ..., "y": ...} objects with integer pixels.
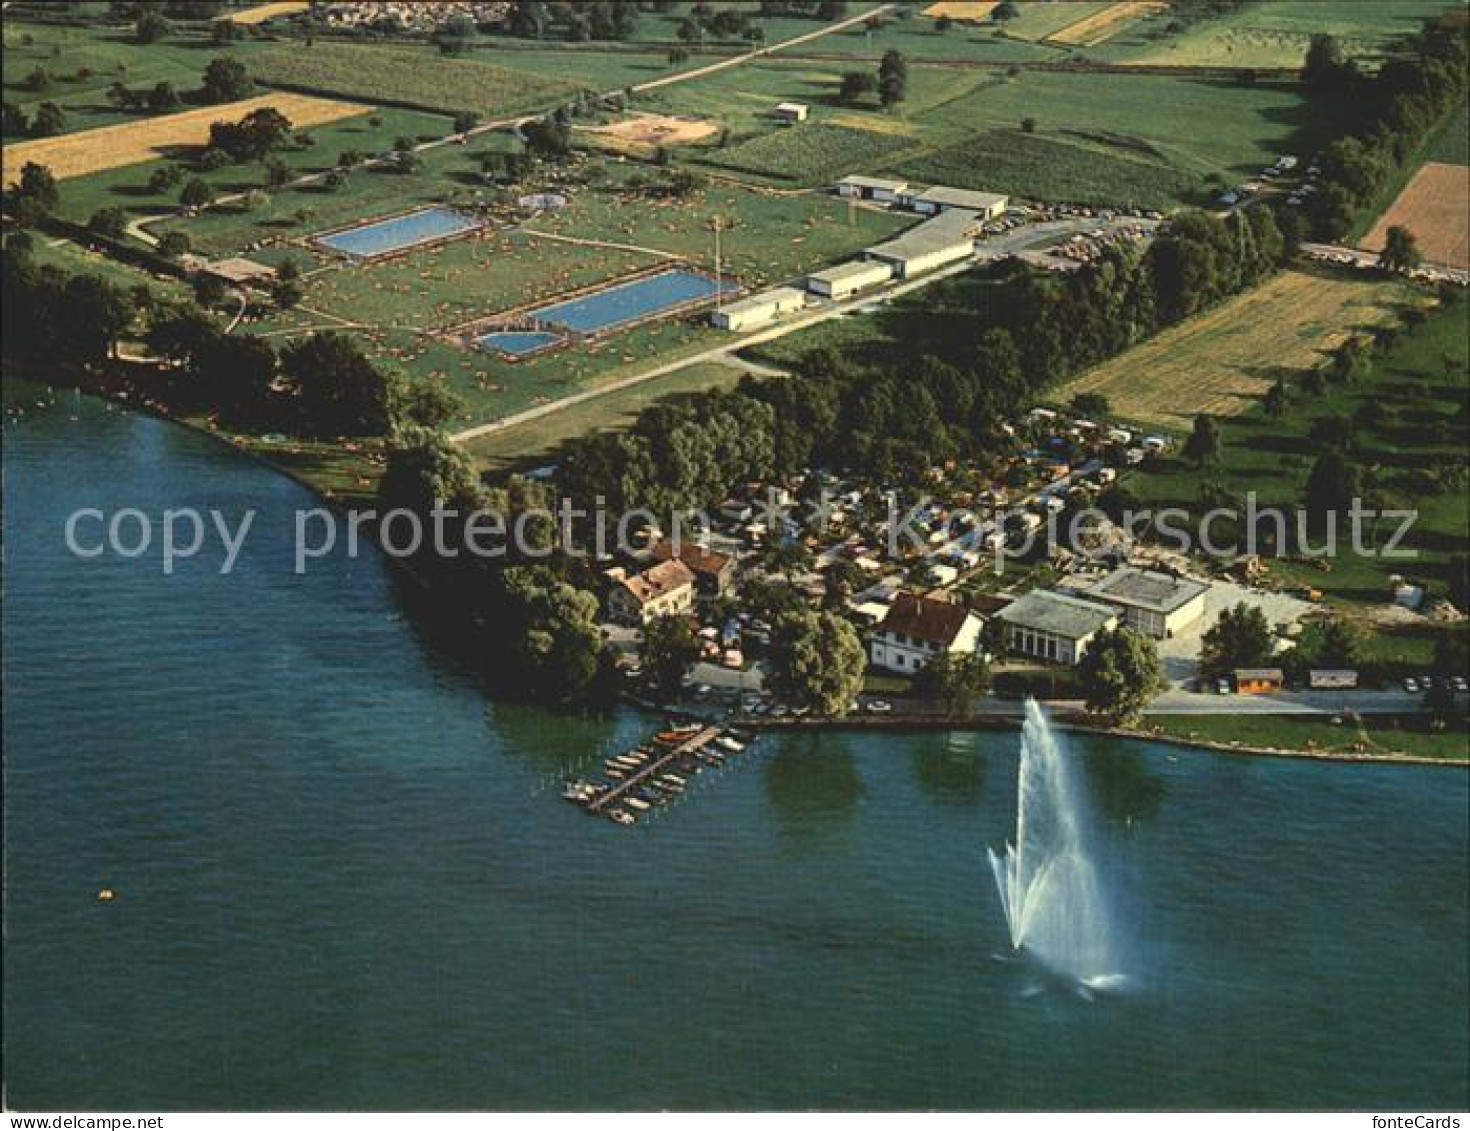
[{"x": 719, "y": 280}]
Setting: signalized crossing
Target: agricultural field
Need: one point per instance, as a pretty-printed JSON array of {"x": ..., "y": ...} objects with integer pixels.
[
  {"x": 1271, "y": 35},
  {"x": 150, "y": 139},
  {"x": 1432, "y": 207},
  {"x": 1406, "y": 406},
  {"x": 1100, "y": 138},
  {"x": 1043, "y": 19},
  {"x": 408, "y": 76},
  {"x": 1223, "y": 361},
  {"x": 812, "y": 153},
  {"x": 1095, "y": 137},
  {"x": 613, "y": 411},
  {"x": 973, "y": 10},
  {"x": 259, "y": 13},
  {"x": 1100, "y": 26}
]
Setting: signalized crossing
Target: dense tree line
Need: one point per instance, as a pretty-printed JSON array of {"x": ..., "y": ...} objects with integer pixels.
[
  {"x": 888, "y": 422},
  {"x": 1395, "y": 110}
]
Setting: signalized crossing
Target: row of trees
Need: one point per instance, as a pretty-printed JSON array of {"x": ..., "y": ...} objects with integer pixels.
[{"x": 1393, "y": 111}]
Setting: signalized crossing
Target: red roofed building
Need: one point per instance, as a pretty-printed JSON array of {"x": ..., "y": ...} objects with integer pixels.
[
  {"x": 659, "y": 591},
  {"x": 713, "y": 571},
  {"x": 917, "y": 629}
]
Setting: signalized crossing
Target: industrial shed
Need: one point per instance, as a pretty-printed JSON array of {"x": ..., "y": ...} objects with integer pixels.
[
  {"x": 759, "y": 309},
  {"x": 848, "y": 278},
  {"x": 941, "y": 198},
  {"x": 872, "y": 188},
  {"x": 935, "y": 243}
]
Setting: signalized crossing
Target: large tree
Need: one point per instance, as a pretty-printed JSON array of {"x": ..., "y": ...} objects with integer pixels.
[
  {"x": 1400, "y": 252},
  {"x": 669, "y": 650},
  {"x": 226, "y": 80},
  {"x": 1120, "y": 673},
  {"x": 1241, "y": 638},
  {"x": 817, "y": 661},
  {"x": 1203, "y": 444},
  {"x": 953, "y": 680},
  {"x": 339, "y": 392}
]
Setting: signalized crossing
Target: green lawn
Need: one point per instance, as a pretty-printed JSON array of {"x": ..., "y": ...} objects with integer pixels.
[
  {"x": 538, "y": 439},
  {"x": 1273, "y": 34},
  {"x": 228, "y": 228},
  {"x": 1452, "y": 147},
  {"x": 1369, "y": 734},
  {"x": 768, "y": 236},
  {"x": 1406, "y": 433}
]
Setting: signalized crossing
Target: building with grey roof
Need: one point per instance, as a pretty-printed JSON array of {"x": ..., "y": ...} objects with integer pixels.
[
  {"x": 1155, "y": 603},
  {"x": 947, "y": 238},
  {"x": 1053, "y": 626},
  {"x": 941, "y": 198}
]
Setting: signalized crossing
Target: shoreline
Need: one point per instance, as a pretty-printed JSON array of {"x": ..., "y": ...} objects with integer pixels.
[
  {"x": 124, "y": 394},
  {"x": 1073, "y": 725}
]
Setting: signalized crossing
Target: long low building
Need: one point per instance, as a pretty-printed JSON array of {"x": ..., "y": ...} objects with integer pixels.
[
  {"x": 872, "y": 188},
  {"x": 947, "y": 238},
  {"x": 941, "y": 198},
  {"x": 848, "y": 278},
  {"x": 1154, "y": 603},
  {"x": 759, "y": 309},
  {"x": 1054, "y": 626}
]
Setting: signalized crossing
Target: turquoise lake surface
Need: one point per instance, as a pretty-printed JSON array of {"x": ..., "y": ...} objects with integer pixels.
[{"x": 345, "y": 878}]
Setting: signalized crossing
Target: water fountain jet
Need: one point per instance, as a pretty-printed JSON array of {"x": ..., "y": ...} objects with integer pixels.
[{"x": 1055, "y": 905}]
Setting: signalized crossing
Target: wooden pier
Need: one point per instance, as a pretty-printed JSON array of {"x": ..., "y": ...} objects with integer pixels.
[{"x": 622, "y": 799}]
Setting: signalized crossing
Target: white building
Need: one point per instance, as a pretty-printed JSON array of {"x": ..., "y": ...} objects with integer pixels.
[
  {"x": 1160, "y": 605},
  {"x": 880, "y": 189},
  {"x": 1054, "y": 626},
  {"x": 941, "y": 198},
  {"x": 948, "y": 238},
  {"x": 792, "y": 111},
  {"x": 759, "y": 309},
  {"x": 848, "y": 278},
  {"x": 916, "y": 629}
]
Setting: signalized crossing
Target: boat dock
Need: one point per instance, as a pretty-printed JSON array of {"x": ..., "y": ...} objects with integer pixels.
[{"x": 654, "y": 773}]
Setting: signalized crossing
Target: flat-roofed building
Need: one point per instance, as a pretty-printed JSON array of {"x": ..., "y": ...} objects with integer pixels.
[
  {"x": 1055, "y": 627},
  {"x": 946, "y": 239},
  {"x": 881, "y": 189},
  {"x": 1157, "y": 604},
  {"x": 941, "y": 198},
  {"x": 791, "y": 111},
  {"x": 759, "y": 309},
  {"x": 848, "y": 278}
]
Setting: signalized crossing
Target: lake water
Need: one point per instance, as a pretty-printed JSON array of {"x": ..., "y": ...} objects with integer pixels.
[{"x": 345, "y": 879}]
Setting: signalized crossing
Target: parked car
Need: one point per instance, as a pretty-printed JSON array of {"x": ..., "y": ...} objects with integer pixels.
[
  {"x": 1222, "y": 686},
  {"x": 880, "y": 706},
  {"x": 1459, "y": 684},
  {"x": 1411, "y": 684}
]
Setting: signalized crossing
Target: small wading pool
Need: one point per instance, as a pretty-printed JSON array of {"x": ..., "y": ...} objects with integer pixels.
[
  {"x": 398, "y": 233},
  {"x": 518, "y": 343}
]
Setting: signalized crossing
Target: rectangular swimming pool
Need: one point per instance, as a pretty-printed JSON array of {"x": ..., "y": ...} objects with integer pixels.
[
  {"x": 398, "y": 233},
  {"x": 627, "y": 302}
]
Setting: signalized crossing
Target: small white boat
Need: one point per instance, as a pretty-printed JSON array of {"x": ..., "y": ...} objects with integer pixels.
[
  {"x": 621, "y": 816},
  {"x": 730, "y": 744},
  {"x": 638, "y": 803}
]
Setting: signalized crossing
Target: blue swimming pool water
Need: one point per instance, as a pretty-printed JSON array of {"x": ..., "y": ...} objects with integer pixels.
[
  {"x": 628, "y": 302},
  {"x": 518, "y": 343},
  {"x": 399, "y": 232}
]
